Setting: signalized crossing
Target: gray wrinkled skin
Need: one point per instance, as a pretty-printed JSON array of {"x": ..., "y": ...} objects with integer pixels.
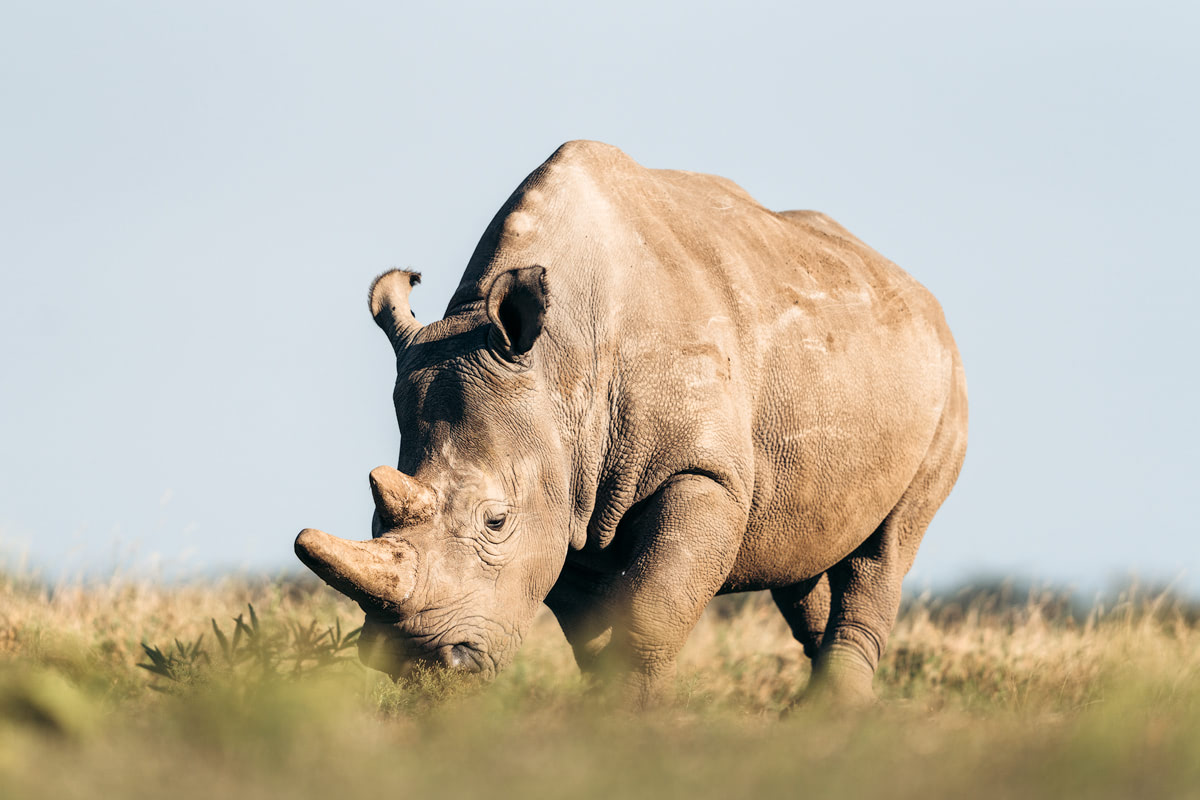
[{"x": 648, "y": 390}]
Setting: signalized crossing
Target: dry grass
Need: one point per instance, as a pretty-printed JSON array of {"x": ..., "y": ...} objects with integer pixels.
[{"x": 984, "y": 696}]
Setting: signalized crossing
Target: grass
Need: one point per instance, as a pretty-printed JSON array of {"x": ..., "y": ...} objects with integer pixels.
[{"x": 250, "y": 689}]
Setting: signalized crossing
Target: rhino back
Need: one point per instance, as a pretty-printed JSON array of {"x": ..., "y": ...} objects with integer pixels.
[{"x": 693, "y": 330}]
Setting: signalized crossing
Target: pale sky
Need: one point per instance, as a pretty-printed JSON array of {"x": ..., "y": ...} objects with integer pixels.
[{"x": 195, "y": 198}]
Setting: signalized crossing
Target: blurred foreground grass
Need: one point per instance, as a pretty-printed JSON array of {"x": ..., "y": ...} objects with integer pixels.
[{"x": 985, "y": 696}]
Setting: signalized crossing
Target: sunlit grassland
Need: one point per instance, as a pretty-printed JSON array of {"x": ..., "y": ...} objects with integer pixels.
[{"x": 983, "y": 696}]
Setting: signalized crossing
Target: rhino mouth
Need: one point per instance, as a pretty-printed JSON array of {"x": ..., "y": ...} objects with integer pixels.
[{"x": 383, "y": 648}]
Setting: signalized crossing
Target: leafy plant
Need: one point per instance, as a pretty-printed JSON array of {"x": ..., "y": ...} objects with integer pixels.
[
  {"x": 290, "y": 651},
  {"x": 180, "y": 665}
]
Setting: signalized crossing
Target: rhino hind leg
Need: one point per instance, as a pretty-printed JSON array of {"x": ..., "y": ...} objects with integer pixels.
[
  {"x": 863, "y": 601},
  {"x": 864, "y": 597},
  {"x": 805, "y": 606},
  {"x": 864, "y": 588}
]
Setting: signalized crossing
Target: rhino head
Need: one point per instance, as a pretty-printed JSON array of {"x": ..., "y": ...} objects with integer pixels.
[{"x": 469, "y": 533}]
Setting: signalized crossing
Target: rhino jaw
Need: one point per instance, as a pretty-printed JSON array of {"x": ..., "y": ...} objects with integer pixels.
[{"x": 379, "y": 575}]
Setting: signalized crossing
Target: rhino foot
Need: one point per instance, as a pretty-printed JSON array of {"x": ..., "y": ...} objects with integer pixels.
[{"x": 840, "y": 680}]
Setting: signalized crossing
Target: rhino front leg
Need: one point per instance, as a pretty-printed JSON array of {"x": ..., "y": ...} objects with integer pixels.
[
  {"x": 579, "y": 601},
  {"x": 685, "y": 540},
  {"x": 629, "y": 624}
]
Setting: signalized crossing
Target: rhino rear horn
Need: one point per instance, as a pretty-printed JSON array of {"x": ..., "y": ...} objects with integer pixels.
[
  {"x": 400, "y": 501},
  {"x": 379, "y": 575},
  {"x": 389, "y": 306}
]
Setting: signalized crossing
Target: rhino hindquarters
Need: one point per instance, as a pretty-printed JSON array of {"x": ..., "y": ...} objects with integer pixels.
[{"x": 864, "y": 588}]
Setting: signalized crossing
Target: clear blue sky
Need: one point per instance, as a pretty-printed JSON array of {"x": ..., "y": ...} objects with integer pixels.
[{"x": 196, "y": 196}]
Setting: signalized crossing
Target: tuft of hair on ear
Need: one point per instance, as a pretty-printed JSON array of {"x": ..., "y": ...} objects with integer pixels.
[
  {"x": 388, "y": 302},
  {"x": 376, "y": 301}
]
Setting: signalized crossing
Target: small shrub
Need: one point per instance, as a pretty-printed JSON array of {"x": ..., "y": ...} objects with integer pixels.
[{"x": 291, "y": 650}]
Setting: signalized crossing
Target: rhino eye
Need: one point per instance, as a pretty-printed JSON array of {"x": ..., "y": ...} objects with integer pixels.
[{"x": 495, "y": 522}]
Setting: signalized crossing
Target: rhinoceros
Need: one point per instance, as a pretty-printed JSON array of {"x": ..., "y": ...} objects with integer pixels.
[{"x": 648, "y": 390}]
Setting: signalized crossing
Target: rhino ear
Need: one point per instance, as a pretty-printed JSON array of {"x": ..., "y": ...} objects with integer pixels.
[
  {"x": 516, "y": 305},
  {"x": 389, "y": 306}
]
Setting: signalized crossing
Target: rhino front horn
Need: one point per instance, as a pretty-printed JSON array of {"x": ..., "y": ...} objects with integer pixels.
[
  {"x": 379, "y": 575},
  {"x": 400, "y": 500}
]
